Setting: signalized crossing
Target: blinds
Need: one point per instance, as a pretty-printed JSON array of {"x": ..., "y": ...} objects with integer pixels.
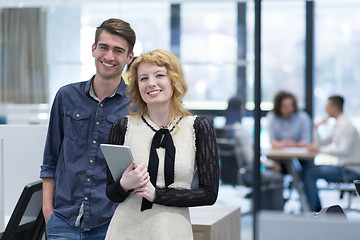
[{"x": 23, "y": 69}]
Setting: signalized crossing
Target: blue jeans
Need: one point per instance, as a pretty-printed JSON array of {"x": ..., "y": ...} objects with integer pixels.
[
  {"x": 58, "y": 229},
  {"x": 329, "y": 173}
]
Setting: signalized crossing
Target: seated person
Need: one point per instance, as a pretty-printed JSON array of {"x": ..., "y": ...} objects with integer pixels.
[
  {"x": 245, "y": 155},
  {"x": 343, "y": 143},
  {"x": 288, "y": 126}
]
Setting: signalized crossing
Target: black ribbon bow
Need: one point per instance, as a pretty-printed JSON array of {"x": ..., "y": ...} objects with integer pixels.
[{"x": 162, "y": 138}]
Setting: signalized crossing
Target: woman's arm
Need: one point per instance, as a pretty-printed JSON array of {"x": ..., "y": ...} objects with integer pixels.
[
  {"x": 114, "y": 191},
  {"x": 208, "y": 169}
]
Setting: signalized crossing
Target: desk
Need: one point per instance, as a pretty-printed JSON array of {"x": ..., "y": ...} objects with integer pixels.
[
  {"x": 293, "y": 154},
  {"x": 289, "y": 153},
  {"x": 215, "y": 222}
]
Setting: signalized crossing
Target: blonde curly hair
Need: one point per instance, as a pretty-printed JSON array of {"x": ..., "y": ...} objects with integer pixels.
[{"x": 175, "y": 72}]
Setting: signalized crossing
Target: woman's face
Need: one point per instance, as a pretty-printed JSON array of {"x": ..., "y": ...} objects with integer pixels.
[
  {"x": 154, "y": 84},
  {"x": 287, "y": 107}
]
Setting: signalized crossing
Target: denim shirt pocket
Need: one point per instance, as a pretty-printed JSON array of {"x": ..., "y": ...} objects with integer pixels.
[{"x": 77, "y": 123}]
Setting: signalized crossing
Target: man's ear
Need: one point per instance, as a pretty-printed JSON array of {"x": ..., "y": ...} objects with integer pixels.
[
  {"x": 93, "y": 47},
  {"x": 130, "y": 57}
]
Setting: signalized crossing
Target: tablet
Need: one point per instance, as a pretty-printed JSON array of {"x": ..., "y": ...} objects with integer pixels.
[{"x": 118, "y": 159}]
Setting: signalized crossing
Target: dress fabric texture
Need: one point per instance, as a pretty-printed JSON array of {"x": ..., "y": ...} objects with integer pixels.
[{"x": 169, "y": 216}]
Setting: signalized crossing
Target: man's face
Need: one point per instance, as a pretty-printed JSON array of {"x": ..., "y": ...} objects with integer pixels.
[
  {"x": 330, "y": 109},
  {"x": 287, "y": 107},
  {"x": 111, "y": 55}
]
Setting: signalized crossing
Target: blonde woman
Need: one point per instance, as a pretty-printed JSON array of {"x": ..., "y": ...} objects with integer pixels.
[{"x": 168, "y": 144}]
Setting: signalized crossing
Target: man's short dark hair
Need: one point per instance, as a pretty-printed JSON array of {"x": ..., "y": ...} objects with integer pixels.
[
  {"x": 117, "y": 27},
  {"x": 280, "y": 96},
  {"x": 337, "y": 101}
]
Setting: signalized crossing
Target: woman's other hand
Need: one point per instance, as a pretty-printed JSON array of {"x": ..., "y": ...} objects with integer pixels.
[{"x": 147, "y": 191}]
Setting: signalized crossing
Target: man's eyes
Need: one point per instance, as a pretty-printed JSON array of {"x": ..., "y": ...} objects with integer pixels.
[{"x": 119, "y": 51}]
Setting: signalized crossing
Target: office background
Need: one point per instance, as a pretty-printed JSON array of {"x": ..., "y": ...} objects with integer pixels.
[{"x": 213, "y": 39}]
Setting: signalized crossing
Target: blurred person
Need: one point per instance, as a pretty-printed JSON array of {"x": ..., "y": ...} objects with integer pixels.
[
  {"x": 168, "y": 145},
  {"x": 288, "y": 126},
  {"x": 343, "y": 143},
  {"x": 74, "y": 171},
  {"x": 234, "y": 129}
]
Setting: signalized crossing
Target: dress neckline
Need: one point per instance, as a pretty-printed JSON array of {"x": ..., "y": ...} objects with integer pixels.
[{"x": 156, "y": 127}]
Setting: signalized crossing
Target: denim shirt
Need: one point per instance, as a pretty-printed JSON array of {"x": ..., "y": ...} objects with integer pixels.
[{"x": 78, "y": 125}]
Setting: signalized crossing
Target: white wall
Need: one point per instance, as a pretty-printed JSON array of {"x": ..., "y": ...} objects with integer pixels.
[{"x": 23, "y": 147}]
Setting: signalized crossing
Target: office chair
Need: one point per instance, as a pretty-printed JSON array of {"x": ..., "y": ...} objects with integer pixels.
[
  {"x": 27, "y": 221},
  {"x": 334, "y": 210},
  {"x": 346, "y": 186},
  {"x": 229, "y": 165},
  {"x": 235, "y": 171}
]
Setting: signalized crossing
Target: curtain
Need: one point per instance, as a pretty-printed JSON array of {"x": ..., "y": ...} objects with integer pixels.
[{"x": 23, "y": 69}]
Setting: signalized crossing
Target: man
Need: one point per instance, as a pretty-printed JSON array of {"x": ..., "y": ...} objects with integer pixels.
[
  {"x": 343, "y": 143},
  {"x": 74, "y": 171},
  {"x": 288, "y": 126}
]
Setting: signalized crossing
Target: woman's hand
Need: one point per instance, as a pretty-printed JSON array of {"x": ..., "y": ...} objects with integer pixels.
[
  {"x": 147, "y": 191},
  {"x": 134, "y": 177}
]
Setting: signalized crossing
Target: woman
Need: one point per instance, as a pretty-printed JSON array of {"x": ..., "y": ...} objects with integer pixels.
[
  {"x": 168, "y": 144},
  {"x": 288, "y": 127}
]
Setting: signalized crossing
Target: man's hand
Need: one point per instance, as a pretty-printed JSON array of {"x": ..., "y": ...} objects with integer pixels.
[
  {"x": 47, "y": 213},
  {"x": 320, "y": 123},
  {"x": 48, "y": 197},
  {"x": 313, "y": 148},
  {"x": 302, "y": 144}
]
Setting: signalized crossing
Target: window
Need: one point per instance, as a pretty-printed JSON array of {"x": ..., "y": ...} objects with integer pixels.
[
  {"x": 71, "y": 33},
  {"x": 337, "y": 38},
  {"x": 208, "y": 53},
  {"x": 283, "y": 51}
]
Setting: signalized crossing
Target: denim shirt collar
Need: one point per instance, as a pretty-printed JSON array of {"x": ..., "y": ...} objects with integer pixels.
[{"x": 89, "y": 90}]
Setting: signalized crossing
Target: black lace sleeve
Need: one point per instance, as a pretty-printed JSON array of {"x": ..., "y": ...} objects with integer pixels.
[
  {"x": 208, "y": 170},
  {"x": 114, "y": 191}
]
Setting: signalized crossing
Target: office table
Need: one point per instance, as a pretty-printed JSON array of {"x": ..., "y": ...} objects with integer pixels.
[
  {"x": 292, "y": 155},
  {"x": 215, "y": 222}
]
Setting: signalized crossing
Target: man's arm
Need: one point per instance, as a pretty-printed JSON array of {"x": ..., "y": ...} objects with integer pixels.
[
  {"x": 51, "y": 154},
  {"x": 48, "y": 197}
]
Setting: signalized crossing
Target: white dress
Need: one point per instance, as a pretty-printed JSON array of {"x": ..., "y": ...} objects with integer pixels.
[{"x": 159, "y": 222}]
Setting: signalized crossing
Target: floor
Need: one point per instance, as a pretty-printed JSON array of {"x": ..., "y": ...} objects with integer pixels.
[{"x": 235, "y": 196}]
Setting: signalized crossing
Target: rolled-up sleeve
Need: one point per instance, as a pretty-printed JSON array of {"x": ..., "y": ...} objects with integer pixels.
[{"x": 54, "y": 139}]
